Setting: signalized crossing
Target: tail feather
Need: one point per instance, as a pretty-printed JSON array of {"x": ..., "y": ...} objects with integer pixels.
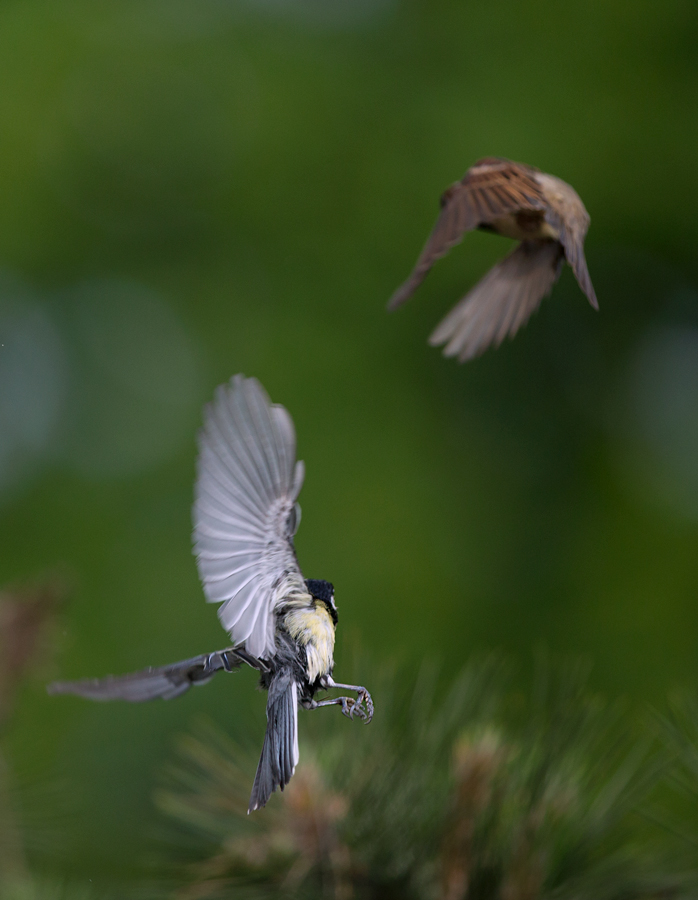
[{"x": 280, "y": 751}]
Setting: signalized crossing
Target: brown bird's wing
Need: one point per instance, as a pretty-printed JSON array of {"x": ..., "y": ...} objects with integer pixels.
[
  {"x": 501, "y": 302},
  {"x": 568, "y": 216},
  {"x": 488, "y": 190}
]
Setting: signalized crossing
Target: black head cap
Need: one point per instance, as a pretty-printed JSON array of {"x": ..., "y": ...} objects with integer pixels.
[
  {"x": 324, "y": 592},
  {"x": 321, "y": 590}
]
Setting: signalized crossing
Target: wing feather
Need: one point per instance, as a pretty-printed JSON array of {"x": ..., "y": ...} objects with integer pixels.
[
  {"x": 222, "y": 568},
  {"x": 166, "y": 682},
  {"x": 501, "y": 302},
  {"x": 250, "y": 616},
  {"x": 231, "y": 611},
  {"x": 217, "y": 527},
  {"x": 221, "y": 481},
  {"x": 246, "y": 610},
  {"x": 216, "y": 506},
  {"x": 263, "y": 423},
  {"x": 225, "y": 480},
  {"x": 568, "y": 215},
  {"x": 220, "y": 549},
  {"x": 226, "y": 443},
  {"x": 227, "y": 588},
  {"x": 283, "y": 425},
  {"x": 249, "y": 440},
  {"x": 244, "y": 514},
  {"x": 490, "y": 189}
]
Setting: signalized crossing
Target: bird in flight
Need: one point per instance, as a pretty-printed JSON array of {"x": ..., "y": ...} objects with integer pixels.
[
  {"x": 517, "y": 201},
  {"x": 245, "y": 516}
]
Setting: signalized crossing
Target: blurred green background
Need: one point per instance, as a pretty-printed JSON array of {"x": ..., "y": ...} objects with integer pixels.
[{"x": 194, "y": 188}]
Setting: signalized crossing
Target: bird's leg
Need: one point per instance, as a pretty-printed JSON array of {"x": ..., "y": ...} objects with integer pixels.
[{"x": 349, "y": 706}]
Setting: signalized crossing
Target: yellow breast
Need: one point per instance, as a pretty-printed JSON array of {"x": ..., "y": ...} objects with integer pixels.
[{"x": 313, "y": 628}]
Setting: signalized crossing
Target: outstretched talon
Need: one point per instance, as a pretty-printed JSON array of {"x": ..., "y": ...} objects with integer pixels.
[
  {"x": 365, "y": 698},
  {"x": 350, "y": 708},
  {"x": 362, "y": 698}
]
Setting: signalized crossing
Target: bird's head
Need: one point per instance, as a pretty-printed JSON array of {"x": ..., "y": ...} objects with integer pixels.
[{"x": 324, "y": 592}]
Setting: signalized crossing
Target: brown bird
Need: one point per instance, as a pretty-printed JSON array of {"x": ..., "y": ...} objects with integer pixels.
[{"x": 516, "y": 201}]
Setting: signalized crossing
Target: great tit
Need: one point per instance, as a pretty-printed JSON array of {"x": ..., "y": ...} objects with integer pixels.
[
  {"x": 516, "y": 201},
  {"x": 245, "y": 516}
]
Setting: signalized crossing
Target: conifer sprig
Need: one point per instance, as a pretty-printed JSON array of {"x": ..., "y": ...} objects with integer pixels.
[{"x": 477, "y": 791}]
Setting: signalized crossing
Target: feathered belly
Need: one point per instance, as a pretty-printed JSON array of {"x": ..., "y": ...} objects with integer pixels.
[{"x": 313, "y": 629}]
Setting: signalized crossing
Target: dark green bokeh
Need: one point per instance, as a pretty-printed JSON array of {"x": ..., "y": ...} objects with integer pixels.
[{"x": 192, "y": 189}]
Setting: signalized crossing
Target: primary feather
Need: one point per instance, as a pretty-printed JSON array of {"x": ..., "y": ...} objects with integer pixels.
[
  {"x": 166, "y": 682},
  {"x": 247, "y": 485}
]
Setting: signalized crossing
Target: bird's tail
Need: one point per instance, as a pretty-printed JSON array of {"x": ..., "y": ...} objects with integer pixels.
[{"x": 280, "y": 751}]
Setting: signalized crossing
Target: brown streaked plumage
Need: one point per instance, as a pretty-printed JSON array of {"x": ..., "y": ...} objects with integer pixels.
[{"x": 514, "y": 200}]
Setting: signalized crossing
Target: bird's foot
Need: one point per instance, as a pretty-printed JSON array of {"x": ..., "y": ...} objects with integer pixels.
[
  {"x": 361, "y": 708},
  {"x": 365, "y": 699},
  {"x": 350, "y": 707}
]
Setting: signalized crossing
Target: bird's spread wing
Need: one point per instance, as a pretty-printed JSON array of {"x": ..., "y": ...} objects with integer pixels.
[
  {"x": 568, "y": 216},
  {"x": 245, "y": 511},
  {"x": 501, "y": 302},
  {"x": 166, "y": 681},
  {"x": 490, "y": 189}
]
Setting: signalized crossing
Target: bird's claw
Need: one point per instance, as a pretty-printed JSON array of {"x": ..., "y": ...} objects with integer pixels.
[
  {"x": 351, "y": 708},
  {"x": 355, "y": 708},
  {"x": 365, "y": 698}
]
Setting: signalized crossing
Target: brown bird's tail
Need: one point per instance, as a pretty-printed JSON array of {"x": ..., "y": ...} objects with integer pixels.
[{"x": 502, "y": 301}]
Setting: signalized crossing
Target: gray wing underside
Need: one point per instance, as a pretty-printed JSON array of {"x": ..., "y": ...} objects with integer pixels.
[
  {"x": 501, "y": 302},
  {"x": 166, "y": 682},
  {"x": 245, "y": 511}
]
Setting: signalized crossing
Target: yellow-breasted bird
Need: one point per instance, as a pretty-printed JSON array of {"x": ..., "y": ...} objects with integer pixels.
[
  {"x": 245, "y": 515},
  {"x": 516, "y": 201}
]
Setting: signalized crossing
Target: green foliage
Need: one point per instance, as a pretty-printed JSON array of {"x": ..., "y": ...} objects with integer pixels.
[
  {"x": 677, "y": 811},
  {"x": 474, "y": 790},
  {"x": 30, "y": 888},
  {"x": 191, "y": 188}
]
